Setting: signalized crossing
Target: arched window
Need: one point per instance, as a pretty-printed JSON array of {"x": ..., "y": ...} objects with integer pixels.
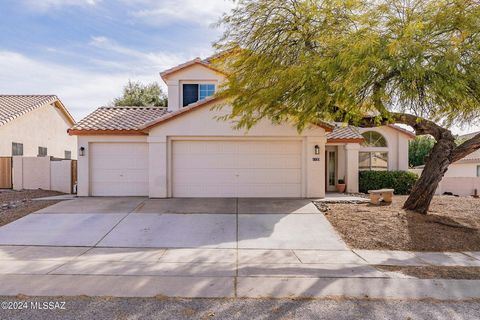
[
  {"x": 373, "y": 139},
  {"x": 371, "y": 158}
]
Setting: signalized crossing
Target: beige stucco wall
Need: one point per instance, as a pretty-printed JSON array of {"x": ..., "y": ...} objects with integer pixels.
[
  {"x": 462, "y": 170},
  {"x": 41, "y": 173},
  {"x": 397, "y": 147},
  {"x": 194, "y": 74},
  {"x": 45, "y": 126},
  {"x": 201, "y": 124}
]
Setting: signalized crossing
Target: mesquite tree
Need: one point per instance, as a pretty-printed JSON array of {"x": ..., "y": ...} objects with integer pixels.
[{"x": 362, "y": 62}]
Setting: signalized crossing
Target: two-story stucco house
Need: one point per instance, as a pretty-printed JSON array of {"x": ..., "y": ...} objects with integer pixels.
[
  {"x": 185, "y": 151},
  {"x": 35, "y": 125}
]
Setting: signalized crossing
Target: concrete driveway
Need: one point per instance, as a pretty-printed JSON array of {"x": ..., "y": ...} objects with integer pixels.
[{"x": 176, "y": 223}]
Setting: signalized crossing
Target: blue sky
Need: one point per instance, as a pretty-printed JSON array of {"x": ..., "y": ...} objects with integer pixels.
[{"x": 84, "y": 51}]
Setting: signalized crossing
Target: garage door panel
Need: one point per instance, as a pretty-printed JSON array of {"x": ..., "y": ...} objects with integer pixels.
[
  {"x": 103, "y": 189},
  {"x": 230, "y": 168},
  {"x": 119, "y": 169},
  {"x": 269, "y": 161},
  {"x": 271, "y": 175},
  {"x": 120, "y": 175},
  {"x": 200, "y": 190},
  {"x": 109, "y": 163},
  {"x": 200, "y": 176}
]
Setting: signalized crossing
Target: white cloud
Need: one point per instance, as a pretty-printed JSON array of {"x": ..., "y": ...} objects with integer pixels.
[
  {"x": 48, "y": 4},
  {"x": 202, "y": 12},
  {"x": 152, "y": 60},
  {"x": 81, "y": 90}
]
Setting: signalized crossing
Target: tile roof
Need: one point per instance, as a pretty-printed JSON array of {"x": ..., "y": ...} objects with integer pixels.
[
  {"x": 344, "y": 133},
  {"x": 14, "y": 106},
  {"x": 119, "y": 118},
  {"x": 475, "y": 155}
]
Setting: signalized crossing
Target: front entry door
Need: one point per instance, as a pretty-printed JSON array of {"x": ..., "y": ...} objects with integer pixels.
[{"x": 331, "y": 169}]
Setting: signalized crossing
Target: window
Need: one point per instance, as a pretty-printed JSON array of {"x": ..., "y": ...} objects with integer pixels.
[
  {"x": 478, "y": 171},
  {"x": 206, "y": 90},
  {"x": 195, "y": 92},
  {"x": 17, "y": 149},
  {"x": 42, "y": 151},
  {"x": 373, "y": 160},
  {"x": 373, "y": 139},
  {"x": 190, "y": 94},
  {"x": 68, "y": 154}
]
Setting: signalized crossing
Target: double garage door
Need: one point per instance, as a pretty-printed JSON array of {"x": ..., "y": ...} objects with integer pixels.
[
  {"x": 232, "y": 168},
  {"x": 214, "y": 168}
]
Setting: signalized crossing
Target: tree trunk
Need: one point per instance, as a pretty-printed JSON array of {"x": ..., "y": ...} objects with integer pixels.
[{"x": 435, "y": 167}]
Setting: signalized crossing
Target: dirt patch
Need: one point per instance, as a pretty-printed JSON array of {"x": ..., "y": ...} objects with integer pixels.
[
  {"x": 436, "y": 272},
  {"x": 17, "y": 204},
  {"x": 453, "y": 224}
]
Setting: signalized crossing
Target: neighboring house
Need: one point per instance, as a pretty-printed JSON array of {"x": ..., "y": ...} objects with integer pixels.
[
  {"x": 35, "y": 125},
  {"x": 462, "y": 177},
  {"x": 185, "y": 151}
]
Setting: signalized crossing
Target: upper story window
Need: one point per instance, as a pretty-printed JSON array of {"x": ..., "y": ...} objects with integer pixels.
[
  {"x": 17, "y": 149},
  {"x": 205, "y": 90},
  {"x": 68, "y": 154},
  {"x": 373, "y": 139},
  {"x": 193, "y": 92},
  {"x": 42, "y": 152}
]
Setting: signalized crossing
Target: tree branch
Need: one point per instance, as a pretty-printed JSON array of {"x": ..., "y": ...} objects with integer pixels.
[{"x": 466, "y": 148}]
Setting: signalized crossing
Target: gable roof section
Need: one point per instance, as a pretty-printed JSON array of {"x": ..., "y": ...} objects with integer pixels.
[
  {"x": 204, "y": 63},
  {"x": 344, "y": 134},
  {"x": 14, "y": 106},
  {"x": 117, "y": 120}
]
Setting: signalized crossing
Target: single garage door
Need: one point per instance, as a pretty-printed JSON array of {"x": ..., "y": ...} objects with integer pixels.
[
  {"x": 237, "y": 168},
  {"x": 119, "y": 169}
]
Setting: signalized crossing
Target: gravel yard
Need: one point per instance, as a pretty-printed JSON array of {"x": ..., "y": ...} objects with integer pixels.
[
  {"x": 17, "y": 204},
  {"x": 436, "y": 272},
  {"x": 453, "y": 224}
]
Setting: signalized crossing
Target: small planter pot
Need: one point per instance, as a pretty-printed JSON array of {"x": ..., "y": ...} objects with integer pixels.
[{"x": 341, "y": 187}]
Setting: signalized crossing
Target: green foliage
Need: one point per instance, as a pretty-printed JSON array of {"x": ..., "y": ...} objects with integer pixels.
[
  {"x": 303, "y": 60},
  {"x": 401, "y": 181},
  {"x": 419, "y": 149},
  {"x": 138, "y": 94}
]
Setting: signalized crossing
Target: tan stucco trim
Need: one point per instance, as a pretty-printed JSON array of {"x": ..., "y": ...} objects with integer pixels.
[
  {"x": 106, "y": 132},
  {"x": 350, "y": 140},
  {"x": 165, "y": 74},
  {"x": 58, "y": 104}
]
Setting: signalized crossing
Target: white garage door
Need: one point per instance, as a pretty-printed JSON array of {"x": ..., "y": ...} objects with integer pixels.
[
  {"x": 119, "y": 169},
  {"x": 237, "y": 168}
]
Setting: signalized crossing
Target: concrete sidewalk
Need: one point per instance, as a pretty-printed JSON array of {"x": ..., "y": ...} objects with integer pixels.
[{"x": 254, "y": 273}]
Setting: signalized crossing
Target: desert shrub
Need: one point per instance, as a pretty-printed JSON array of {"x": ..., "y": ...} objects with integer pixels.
[{"x": 401, "y": 181}]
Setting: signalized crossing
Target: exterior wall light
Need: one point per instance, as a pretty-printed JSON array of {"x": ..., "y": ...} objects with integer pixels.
[
  {"x": 82, "y": 151},
  {"x": 317, "y": 149}
]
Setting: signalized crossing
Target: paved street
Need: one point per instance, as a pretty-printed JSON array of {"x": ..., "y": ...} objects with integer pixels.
[{"x": 225, "y": 309}]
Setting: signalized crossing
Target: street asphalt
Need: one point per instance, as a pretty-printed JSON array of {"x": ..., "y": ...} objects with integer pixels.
[{"x": 169, "y": 308}]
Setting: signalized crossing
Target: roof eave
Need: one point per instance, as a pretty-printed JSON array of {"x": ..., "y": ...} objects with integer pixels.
[
  {"x": 345, "y": 140},
  {"x": 78, "y": 132}
]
